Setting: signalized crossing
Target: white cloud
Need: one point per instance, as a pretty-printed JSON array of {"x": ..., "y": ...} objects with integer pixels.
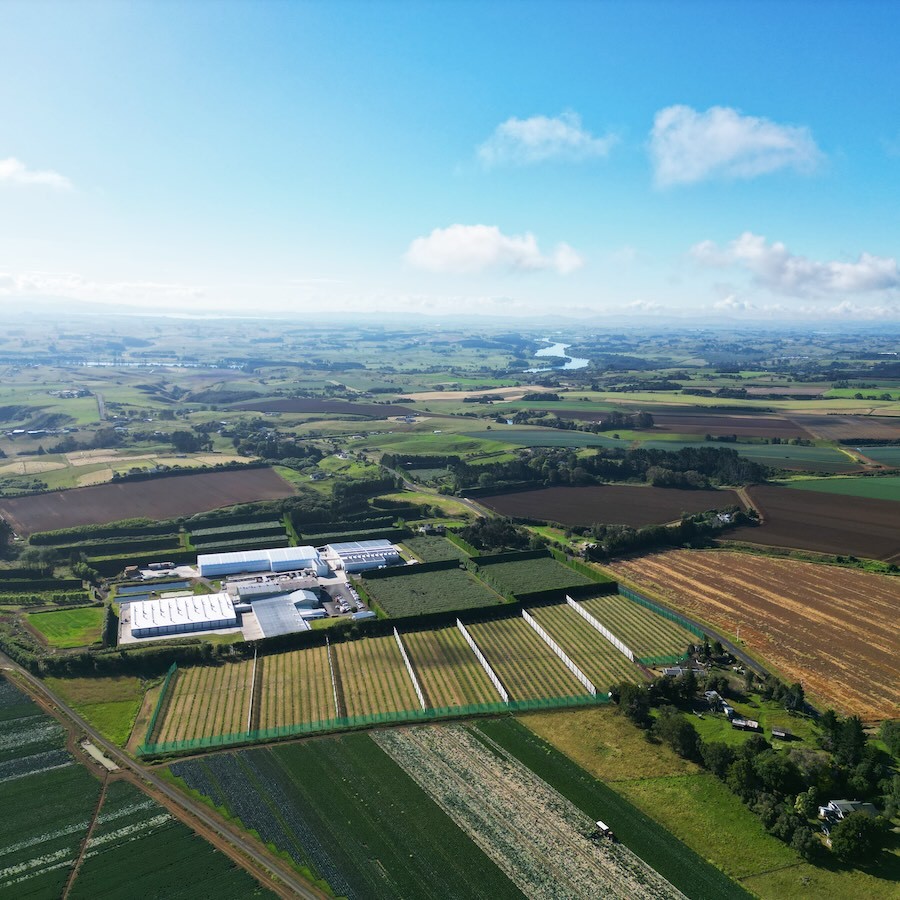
[
  {"x": 773, "y": 266},
  {"x": 542, "y": 138},
  {"x": 688, "y": 146},
  {"x": 12, "y": 171},
  {"x": 470, "y": 249},
  {"x": 76, "y": 287}
]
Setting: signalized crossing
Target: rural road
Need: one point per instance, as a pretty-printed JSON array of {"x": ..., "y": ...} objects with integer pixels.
[{"x": 246, "y": 847}]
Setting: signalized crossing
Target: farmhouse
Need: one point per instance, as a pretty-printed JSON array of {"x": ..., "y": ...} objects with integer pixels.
[
  {"x": 835, "y": 810},
  {"x": 282, "y": 559},
  {"x": 179, "y": 615},
  {"x": 359, "y": 556}
]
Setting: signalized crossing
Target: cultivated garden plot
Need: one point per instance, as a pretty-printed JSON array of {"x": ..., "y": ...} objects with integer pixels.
[
  {"x": 541, "y": 574},
  {"x": 537, "y": 837},
  {"x": 586, "y": 647},
  {"x": 427, "y": 592},
  {"x": 295, "y": 688},
  {"x": 447, "y": 669},
  {"x": 833, "y": 629},
  {"x": 525, "y": 665},
  {"x": 345, "y": 812},
  {"x": 644, "y": 632},
  {"x": 208, "y": 700},
  {"x": 373, "y": 676}
]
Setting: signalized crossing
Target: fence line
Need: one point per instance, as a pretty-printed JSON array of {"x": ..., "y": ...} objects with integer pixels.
[
  {"x": 660, "y": 610},
  {"x": 484, "y": 663},
  {"x": 252, "y": 686},
  {"x": 337, "y": 709},
  {"x": 622, "y": 648},
  {"x": 569, "y": 663},
  {"x": 160, "y": 699},
  {"x": 409, "y": 669},
  {"x": 351, "y": 722}
]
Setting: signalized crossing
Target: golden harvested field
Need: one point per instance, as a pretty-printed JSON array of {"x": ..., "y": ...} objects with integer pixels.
[
  {"x": 373, "y": 676},
  {"x": 295, "y": 688},
  {"x": 834, "y": 630}
]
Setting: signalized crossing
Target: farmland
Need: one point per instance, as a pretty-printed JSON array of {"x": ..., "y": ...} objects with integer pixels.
[
  {"x": 415, "y": 593},
  {"x": 433, "y": 548},
  {"x": 615, "y": 504},
  {"x": 832, "y": 629},
  {"x": 541, "y": 574},
  {"x": 644, "y": 632},
  {"x": 743, "y": 425},
  {"x": 67, "y": 628},
  {"x": 208, "y": 700},
  {"x": 347, "y": 813},
  {"x": 525, "y": 665},
  {"x": 885, "y": 487},
  {"x": 447, "y": 669},
  {"x": 536, "y": 837},
  {"x": 157, "y": 498},
  {"x": 296, "y": 687},
  {"x": 849, "y": 428},
  {"x": 603, "y": 664},
  {"x": 373, "y": 676},
  {"x": 109, "y": 704},
  {"x": 887, "y": 456},
  {"x": 812, "y": 520},
  {"x": 163, "y": 857}
]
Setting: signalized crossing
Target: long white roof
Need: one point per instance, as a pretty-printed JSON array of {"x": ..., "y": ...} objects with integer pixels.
[
  {"x": 279, "y": 554},
  {"x": 172, "y": 611}
]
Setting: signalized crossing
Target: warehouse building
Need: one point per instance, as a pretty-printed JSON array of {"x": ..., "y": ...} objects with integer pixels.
[
  {"x": 359, "y": 556},
  {"x": 281, "y": 559},
  {"x": 180, "y": 615}
]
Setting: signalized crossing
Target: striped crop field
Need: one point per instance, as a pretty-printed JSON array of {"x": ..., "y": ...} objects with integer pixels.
[
  {"x": 295, "y": 688},
  {"x": 525, "y": 665},
  {"x": 644, "y": 632},
  {"x": 447, "y": 669},
  {"x": 207, "y": 701},
  {"x": 373, "y": 676},
  {"x": 586, "y": 647}
]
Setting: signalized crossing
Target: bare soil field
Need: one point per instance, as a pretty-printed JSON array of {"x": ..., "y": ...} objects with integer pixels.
[
  {"x": 614, "y": 504},
  {"x": 156, "y": 498},
  {"x": 826, "y": 523},
  {"x": 848, "y": 428},
  {"x": 330, "y": 407},
  {"x": 832, "y": 629},
  {"x": 507, "y": 393},
  {"x": 717, "y": 425}
]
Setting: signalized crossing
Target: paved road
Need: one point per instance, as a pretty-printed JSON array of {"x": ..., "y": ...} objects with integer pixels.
[{"x": 247, "y": 847}]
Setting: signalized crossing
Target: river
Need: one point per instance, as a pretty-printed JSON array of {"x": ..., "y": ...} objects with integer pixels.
[{"x": 559, "y": 350}]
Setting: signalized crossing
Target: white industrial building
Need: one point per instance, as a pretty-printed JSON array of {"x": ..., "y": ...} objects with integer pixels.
[
  {"x": 179, "y": 615},
  {"x": 281, "y": 559},
  {"x": 358, "y": 556}
]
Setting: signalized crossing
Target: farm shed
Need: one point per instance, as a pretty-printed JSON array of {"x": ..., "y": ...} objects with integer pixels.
[
  {"x": 279, "y": 615},
  {"x": 179, "y": 615},
  {"x": 282, "y": 559},
  {"x": 359, "y": 556}
]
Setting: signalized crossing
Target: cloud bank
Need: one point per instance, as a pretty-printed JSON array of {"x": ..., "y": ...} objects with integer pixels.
[
  {"x": 773, "y": 266},
  {"x": 12, "y": 171},
  {"x": 541, "y": 139},
  {"x": 471, "y": 249},
  {"x": 687, "y": 146}
]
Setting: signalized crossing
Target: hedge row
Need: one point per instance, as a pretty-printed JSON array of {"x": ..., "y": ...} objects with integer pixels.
[
  {"x": 347, "y": 525},
  {"x": 388, "y": 534},
  {"x": 401, "y": 571},
  {"x": 112, "y": 547},
  {"x": 266, "y": 524},
  {"x": 30, "y": 585},
  {"x": 60, "y": 598},
  {"x": 112, "y": 565},
  {"x": 580, "y": 567},
  {"x": 240, "y": 533},
  {"x": 251, "y": 542},
  {"x": 92, "y": 532}
]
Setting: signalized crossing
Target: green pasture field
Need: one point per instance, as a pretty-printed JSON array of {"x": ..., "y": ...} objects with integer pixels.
[
  {"x": 685, "y": 868},
  {"x": 427, "y": 592},
  {"x": 888, "y": 456},
  {"x": 448, "y": 505},
  {"x": 544, "y": 573},
  {"x": 776, "y": 455},
  {"x": 346, "y": 813},
  {"x": 433, "y": 548},
  {"x": 428, "y": 442},
  {"x": 68, "y": 628},
  {"x": 544, "y": 437},
  {"x": 876, "y": 488},
  {"x": 110, "y": 704}
]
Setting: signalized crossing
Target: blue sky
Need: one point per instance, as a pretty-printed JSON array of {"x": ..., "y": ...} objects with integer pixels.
[{"x": 588, "y": 159}]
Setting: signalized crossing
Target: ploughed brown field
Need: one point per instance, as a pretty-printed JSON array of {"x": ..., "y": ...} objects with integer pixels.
[
  {"x": 330, "y": 407},
  {"x": 827, "y": 523},
  {"x": 834, "y": 630},
  {"x": 847, "y": 428},
  {"x": 155, "y": 498},
  {"x": 610, "y": 504}
]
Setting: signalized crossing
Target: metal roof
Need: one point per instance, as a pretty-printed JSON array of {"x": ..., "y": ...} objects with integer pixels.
[
  {"x": 172, "y": 611},
  {"x": 360, "y": 547},
  {"x": 279, "y": 554}
]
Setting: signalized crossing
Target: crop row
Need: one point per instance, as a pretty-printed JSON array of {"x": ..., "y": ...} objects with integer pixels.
[
  {"x": 248, "y": 527},
  {"x": 296, "y": 687},
  {"x": 641, "y": 629},
  {"x": 427, "y": 592},
  {"x": 525, "y": 576},
  {"x": 373, "y": 676}
]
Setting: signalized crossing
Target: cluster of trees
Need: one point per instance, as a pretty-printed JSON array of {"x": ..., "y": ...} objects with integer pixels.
[
  {"x": 611, "y": 421},
  {"x": 783, "y": 787},
  {"x": 498, "y": 535},
  {"x": 688, "y": 467}
]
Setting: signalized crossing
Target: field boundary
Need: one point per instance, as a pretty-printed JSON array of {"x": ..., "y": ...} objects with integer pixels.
[
  {"x": 563, "y": 656},
  {"x": 163, "y": 693},
  {"x": 410, "y": 670},
  {"x": 488, "y": 668},
  {"x": 599, "y": 626}
]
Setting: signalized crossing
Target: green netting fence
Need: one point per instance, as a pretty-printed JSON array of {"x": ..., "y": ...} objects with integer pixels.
[
  {"x": 371, "y": 721},
  {"x": 160, "y": 700}
]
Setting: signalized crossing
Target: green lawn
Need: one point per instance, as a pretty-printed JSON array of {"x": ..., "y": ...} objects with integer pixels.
[
  {"x": 878, "y": 488},
  {"x": 109, "y": 704},
  {"x": 67, "y": 628}
]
